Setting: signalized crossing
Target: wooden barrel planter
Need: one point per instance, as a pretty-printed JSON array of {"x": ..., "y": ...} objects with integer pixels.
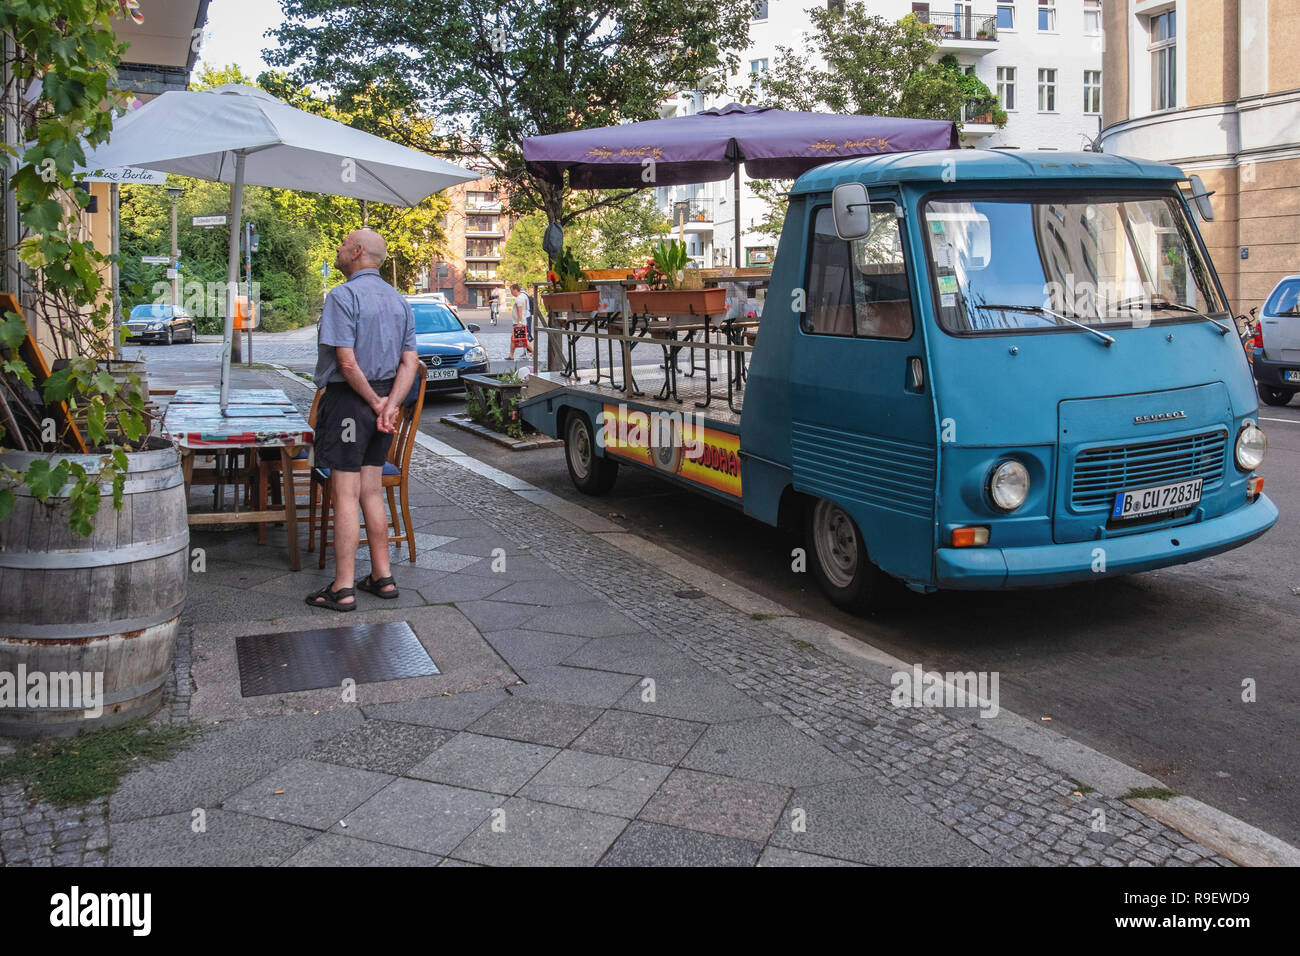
[{"x": 108, "y": 604}]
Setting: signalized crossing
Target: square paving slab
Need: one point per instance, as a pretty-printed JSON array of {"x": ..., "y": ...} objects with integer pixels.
[{"x": 309, "y": 660}]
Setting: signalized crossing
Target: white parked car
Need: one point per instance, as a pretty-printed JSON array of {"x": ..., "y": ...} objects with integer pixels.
[{"x": 1275, "y": 353}]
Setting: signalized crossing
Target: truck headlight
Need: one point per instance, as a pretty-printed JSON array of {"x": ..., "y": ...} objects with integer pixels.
[
  {"x": 475, "y": 355},
  {"x": 1251, "y": 446},
  {"x": 1009, "y": 485}
]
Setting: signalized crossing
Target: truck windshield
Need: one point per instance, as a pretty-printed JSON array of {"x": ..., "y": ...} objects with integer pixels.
[{"x": 1004, "y": 265}]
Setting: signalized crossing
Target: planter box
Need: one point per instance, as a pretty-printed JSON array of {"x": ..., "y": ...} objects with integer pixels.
[
  {"x": 679, "y": 302},
  {"x": 586, "y": 301},
  {"x": 480, "y": 386}
]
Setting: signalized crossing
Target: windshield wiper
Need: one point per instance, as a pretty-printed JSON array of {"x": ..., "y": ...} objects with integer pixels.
[
  {"x": 1169, "y": 306},
  {"x": 1039, "y": 310}
]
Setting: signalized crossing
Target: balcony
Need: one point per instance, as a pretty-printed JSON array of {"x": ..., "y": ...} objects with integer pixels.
[
  {"x": 482, "y": 257},
  {"x": 484, "y": 234},
  {"x": 965, "y": 33},
  {"x": 479, "y": 278},
  {"x": 976, "y": 126},
  {"x": 482, "y": 205},
  {"x": 694, "y": 216}
]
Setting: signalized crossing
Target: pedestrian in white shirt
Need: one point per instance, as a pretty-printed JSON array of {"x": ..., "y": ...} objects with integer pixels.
[{"x": 519, "y": 337}]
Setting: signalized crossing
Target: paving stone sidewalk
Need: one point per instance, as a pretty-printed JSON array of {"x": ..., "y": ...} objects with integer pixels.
[{"x": 586, "y": 715}]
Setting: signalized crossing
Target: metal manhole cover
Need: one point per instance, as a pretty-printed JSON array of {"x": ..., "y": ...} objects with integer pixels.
[{"x": 309, "y": 660}]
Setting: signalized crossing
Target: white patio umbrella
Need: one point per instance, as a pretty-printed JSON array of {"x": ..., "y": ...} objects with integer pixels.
[{"x": 242, "y": 135}]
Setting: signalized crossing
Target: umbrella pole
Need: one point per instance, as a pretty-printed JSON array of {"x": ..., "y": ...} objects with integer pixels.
[
  {"x": 736, "y": 182},
  {"x": 232, "y": 276}
]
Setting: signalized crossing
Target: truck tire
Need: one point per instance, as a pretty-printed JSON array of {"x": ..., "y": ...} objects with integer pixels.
[
  {"x": 838, "y": 554},
  {"x": 590, "y": 472},
  {"x": 1275, "y": 396}
]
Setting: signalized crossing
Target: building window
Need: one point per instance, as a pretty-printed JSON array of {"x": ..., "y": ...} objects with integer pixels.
[
  {"x": 1164, "y": 56},
  {"x": 758, "y": 66},
  {"x": 1007, "y": 87},
  {"x": 1092, "y": 91},
  {"x": 835, "y": 6},
  {"x": 760, "y": 10},
  {"x": 1092, "y": 17},
  {"x": 442, "y": 270},
  {"x": 1047, "y": 91},
  {"x": 1006, "y": 16},
  {"x": 1047, "y": 16}
]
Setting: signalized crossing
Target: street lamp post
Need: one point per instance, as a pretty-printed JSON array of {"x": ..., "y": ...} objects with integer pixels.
[{"x": 174, "y": 192}]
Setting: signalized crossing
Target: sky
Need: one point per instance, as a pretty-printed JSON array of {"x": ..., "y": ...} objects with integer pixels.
[{"x": 234, "y": 34}]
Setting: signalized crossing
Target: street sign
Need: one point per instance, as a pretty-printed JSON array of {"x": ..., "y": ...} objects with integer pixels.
[
  {"x": 171, "y": 273},
  {"x": 325, "y": 270},
  {"x": 156, "y": 260},
  {"x": 209, "y": 220}
]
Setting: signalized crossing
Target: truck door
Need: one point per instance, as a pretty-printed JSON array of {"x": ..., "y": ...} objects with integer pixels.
[{"x": 862, "y": 429}]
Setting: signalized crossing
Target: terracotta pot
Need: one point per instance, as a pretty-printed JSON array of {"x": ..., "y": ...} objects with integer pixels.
[
  {"x": 586, "y": 301},
  {"x": 679, "y": 302}
]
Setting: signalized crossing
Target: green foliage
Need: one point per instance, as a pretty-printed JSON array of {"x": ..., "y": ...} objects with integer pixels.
[
  {"x": 78, "y": 769},
  {"x": 670, "y": 261},
  {"x": 561, "y": 65},
  {"x": 566, "y": 274},
  {"x": 66, "y": 53}
]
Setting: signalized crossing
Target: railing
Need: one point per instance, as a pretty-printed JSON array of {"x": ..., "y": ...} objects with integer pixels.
[
  {"x": 966, "y": 26},
  {"x": 691, "y": 212},
  {"x": 968, "y": 114}
]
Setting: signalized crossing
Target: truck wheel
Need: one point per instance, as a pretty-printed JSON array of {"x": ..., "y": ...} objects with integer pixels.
[
  {"x": 590, "y": 472},
  {"x": 839, "y": 559},
  {"x": 1275, "y": 396}
]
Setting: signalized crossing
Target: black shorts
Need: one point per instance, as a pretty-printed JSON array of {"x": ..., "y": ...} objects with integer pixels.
[{"x": 347, "y": 429}]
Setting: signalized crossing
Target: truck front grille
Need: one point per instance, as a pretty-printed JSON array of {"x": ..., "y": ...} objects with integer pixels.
[{"x": 1101, "y": 473}]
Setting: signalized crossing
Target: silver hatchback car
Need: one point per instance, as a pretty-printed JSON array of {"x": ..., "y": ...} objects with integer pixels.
[{"x": 1275, "y": 353}]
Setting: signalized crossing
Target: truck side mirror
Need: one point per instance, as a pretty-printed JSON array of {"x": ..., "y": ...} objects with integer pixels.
[
  {"x": 852, "y": 211},
  {"x": 1201, "y": 197}
]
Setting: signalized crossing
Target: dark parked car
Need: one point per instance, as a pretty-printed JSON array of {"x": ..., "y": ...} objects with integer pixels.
[
  {"x": 447, "y": 348},
  {"x": 160, "y": 323},
  {"x": 1275, "y": 353}
]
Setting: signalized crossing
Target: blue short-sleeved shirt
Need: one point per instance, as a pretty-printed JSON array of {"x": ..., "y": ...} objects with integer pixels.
[{"x": 369, "y": 316}]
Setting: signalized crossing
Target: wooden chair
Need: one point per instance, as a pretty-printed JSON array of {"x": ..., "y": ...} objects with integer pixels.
[
  {"x": 268, "y": 464},
  {"x": 397, "y": 470}
]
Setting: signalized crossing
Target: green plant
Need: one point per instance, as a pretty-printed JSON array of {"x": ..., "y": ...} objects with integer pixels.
[
  {"x": 79, "y": 769},
  {"x": 474, "y": 407},
  {"x": 63, "y": 57},
  {"x": 566, "y": 275},
  {"x": 669, "y": 259}
]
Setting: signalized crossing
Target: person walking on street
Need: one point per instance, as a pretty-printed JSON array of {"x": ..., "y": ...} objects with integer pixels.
[
  {"x": 520, "y": 332},
  {"x": 494, "y": 308},
  {"x": 366, "y": 362}
]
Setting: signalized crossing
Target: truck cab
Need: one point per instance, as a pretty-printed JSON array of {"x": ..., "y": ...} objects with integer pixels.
[{"x": 981, "y": 369}]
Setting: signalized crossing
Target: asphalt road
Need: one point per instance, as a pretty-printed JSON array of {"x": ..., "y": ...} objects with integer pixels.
[{"x": 1148, "y": 668}]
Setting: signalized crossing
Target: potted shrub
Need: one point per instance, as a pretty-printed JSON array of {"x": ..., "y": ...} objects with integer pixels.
[
  {"x": 93, "y": 531},
  {"x": 570, "y": 291},
  {"x": 673, "y": 288}
]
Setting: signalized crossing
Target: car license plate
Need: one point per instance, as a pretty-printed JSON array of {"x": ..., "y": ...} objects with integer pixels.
[
  {"x": 1291, "y": 375},
  {"x": 439, "y": 374},
  {"x": 1159, "y": 500}
]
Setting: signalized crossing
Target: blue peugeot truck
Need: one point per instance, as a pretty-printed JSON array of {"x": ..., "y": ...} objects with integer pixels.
[{"x": 974, "y": 369}]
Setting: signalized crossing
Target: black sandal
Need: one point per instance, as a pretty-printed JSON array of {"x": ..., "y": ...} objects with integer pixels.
[
  {"x": 376, "y": 586},
  {"x": 330, "y": 599}
]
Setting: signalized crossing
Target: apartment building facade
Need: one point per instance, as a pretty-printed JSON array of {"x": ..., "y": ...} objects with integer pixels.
[
  {"x": 1213, "y": 86},
  {"x": 477, "y": 227},
  {"x": 1042, "y": 57}
]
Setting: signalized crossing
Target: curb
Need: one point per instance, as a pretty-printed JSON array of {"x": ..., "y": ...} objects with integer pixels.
[{"x": 1231, "y": 838}]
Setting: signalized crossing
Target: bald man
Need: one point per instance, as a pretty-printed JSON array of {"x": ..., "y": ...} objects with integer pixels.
[{"x": 366, "y": 362}]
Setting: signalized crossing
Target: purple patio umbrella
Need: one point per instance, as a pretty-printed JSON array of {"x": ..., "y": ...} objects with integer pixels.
[{"x": 712, "y": 145}]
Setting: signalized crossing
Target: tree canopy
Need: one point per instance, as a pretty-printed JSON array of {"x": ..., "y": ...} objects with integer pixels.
[{"x": 497, "y": 73}]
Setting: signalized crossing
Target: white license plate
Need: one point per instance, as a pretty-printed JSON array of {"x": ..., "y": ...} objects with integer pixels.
[
  {"x": 439, "y": 374},
  {"x": 1291, "y": 375},
  {"x": 1159, "y": 500}
]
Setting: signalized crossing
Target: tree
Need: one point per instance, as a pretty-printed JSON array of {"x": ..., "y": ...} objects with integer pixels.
[
  {"x": 614, "y": 236},
  {"x": 855, "y": 62},
  {"x": 858, "y": 63},
  {"x": 503, "y": 71}
]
